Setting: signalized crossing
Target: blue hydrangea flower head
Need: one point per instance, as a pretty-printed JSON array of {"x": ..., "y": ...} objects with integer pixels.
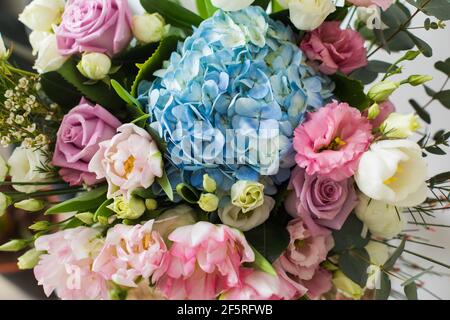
[{"x": 229, "y": 99}]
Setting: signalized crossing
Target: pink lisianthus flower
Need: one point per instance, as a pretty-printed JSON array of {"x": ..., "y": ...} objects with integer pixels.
[
  {"x": 332, "y": 140},
  {"x": 66, "y": 267},
  {"x": 204, "y": 261},
  {"x": 78, "y": 138},
  {"x": 319, "y": 200},
  {"x": 333, "y": 49},
  {"x": 94, "y": 26},
  {"x": 383, "y": 4},
  {"x": 130, "y": 252},
  {"x": 299, "y": 265}
]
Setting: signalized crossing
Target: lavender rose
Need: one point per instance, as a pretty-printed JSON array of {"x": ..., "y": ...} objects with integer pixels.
[
  {"x": 94, "y": 26},
  {"x": 78, "y": 138},
  {"x": 320, "y": 201}
]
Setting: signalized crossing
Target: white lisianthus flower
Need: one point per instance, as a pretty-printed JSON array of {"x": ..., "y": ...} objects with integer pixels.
[
  {"x": 231, "y": 5},
  {"x": 24, "y": 164},
  {"x": 393, "y": 171},
  {"x": 379, "y": 254},
  {"x": 381, "y": 219},
  {"x": 234, "y": 216},
  {"x": 94, "y": 65},
  {"x": 400, "y": 125},
  {"x": 49, "y": 58},
  {"x": 308, "y": 14},
  {"x": 41, "y": 15},
  {"x": 148, "y": 27},
  {"x": 36, "y": 38},
  {"x": 3, "y": 169},
  {"x": 3, "y": 51},
  {"x": 5, "y": 201}
]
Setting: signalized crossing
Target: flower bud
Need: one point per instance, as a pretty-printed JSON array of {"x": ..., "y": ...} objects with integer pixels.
[
  {"x": 149, "y": 27},
  {"x": 40, "y": 226},
  {"x": 247, "y": 195},
  {"x": 85, "y": 217},
  {"x": 94, "y": 65},
  {"x": 400, "y": 125},
  {"x": 31, "y": 205},
  {"x": 29, "y": 259},
  {"x": 382, "y": 90},
  {"x": 208, "y": 202},
  {"x": 373, "y": 111},
  {"x": 41, "y": 15},
  {"x": 209, "y": 184},
  {"x": 151, "y": 204},
  {"x": 3, "y": 169},
  {"x": 14, "y": 245},
  {"x": 417, "y": 80},
  {"x": 5, "y": 201},
  {"x": 132, "y": 209},
  {"x": 346, "y": 286}
]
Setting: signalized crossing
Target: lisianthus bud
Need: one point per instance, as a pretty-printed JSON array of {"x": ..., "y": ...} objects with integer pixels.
[
  {"x": 373, "y": 111},
  {"x": 40, "y": 226},
  {"x": 31, "y": 205},
  {"x": 132, "y": 209},
  {"x": 149, "y": 27},
  {"x": 247, "y": 195},
  {"x": 29, "y": 259},
  {"x": 382, "y": 90},
  {"x": 14, "y": 245},
  {"x": 3, "y": 51},
  {"x": 5, "y": 201},
  {"x": 85, "y": 217},
  {"x": 3, "y": 169},
  {"x": 417, "y": 79},
  {"x": 400, "y": 125},
  {"x": 151, "y": 204},
  {"x": 94, "y": 65},
  {"x": 209, "y": 184},
  {"x": 346, "y": 286},
  {"x": 208, "y": 202}
]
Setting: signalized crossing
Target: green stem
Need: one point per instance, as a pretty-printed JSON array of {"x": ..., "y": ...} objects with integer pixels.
[
  {"x": 21, "y": 72},
  {"x": 419, "y": 256},
  {"x": 18, "y": 196},
  {"x": 10, "y": 183}
]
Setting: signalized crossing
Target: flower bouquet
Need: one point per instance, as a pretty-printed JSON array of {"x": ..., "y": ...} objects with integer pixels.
[{"x": 230, "y": 153}]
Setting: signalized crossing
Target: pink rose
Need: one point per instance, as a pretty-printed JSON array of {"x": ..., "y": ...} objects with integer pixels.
[
  {"x": 128, "y": 161},
  {"x": 384, "y": 4},
  {"x": 332, "y": 49},
  {"x": 299, "y": 265},
  {"x": 332, "y": 140},
  {"x": 204, "y": 261},
  {"x": 94, "y": 26},
  {"x": 386, "y": 108},
  {"x": 78, "y": 138},
  {"x": 130, "y": 252},
  {"x": 66, "y": 265},
  {"x": 319, "y": 200}
]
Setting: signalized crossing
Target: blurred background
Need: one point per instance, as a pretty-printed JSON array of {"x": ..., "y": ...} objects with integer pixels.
[{"x": 15, "y": 284}]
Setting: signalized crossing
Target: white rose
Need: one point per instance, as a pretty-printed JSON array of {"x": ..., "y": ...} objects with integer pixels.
[
  {"x": 94, "y": 65},
  {"x": 36, "y": 38},
  {"x": 308, "y": 14},
  {"x": 3, "y": 169},
  {"x": 41, "y": 15},
  {"x": 234, "y": 217},
  {"x": 148, "y": 27},
  {"x": 174, "y": 218},
  {"x": 23, "y": 165},
  {"x": 3, "y": 51},
  {"x": 380, "y": 218},
  {"x": 49, "y": 58},
  {"x": 231, "y": 5},
  {"x": 5, "y": 201},
  {"x": 393, "y": 171},
  {"x": 400, "y": 125}
]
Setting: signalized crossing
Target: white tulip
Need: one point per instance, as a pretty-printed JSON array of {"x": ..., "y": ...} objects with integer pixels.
[
  {"x": 231, "y": 5},
  {"x": 148, "y": 28},
  {"x": 36, "y": 38},
  {"x": 3, "y": 51},
  {"x": 400, "y": 125},
  {"x": 94, "y": 65},
  {"x": 5, "y": 201},
  {"x": 394, "y": 172},
  {"x": 234, "y": 217},
  {"x": 3, "y": 169},
  {"x": 41, "y": 15},
  {"x": 308, "y": 14},
  {"x": 24, "y": 164},
  {"x": 381, "y": 219},
  {"x": 49, "y": 58}
]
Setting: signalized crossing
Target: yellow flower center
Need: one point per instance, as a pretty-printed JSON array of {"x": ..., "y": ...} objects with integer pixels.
[
  {"x": 129, "y": 165},
  {"x": 335, "y": 145},
  {"x": 394, "y": 177},
  {"x": 147, "y": 241}
]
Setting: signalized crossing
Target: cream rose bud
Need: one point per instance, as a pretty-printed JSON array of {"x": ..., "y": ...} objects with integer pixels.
[
  {"x": 234, "y": 216},
  {"x": 49, "y": 59},
  {"x": 94, "y": 65},
  {"x": 149, "y": 27},
  {"x": 208, "y": 202},
  {"x": 380, "y": 218},
  {"x": 3, "y": 51},
  {"x": 308, "y": 14},
  {"x": 5, "y": 202},
  {"x": 400, "y": 125},
  {"x": 247, "y": 195},
  {"x": 174, "y": 218},
  {"x": 346, "y": 286},
  {"x": 132, "y": 209},
  {"x": 24, "y": 164},
  {"x": 231, "y": 5},
  {"x": 31, "y": 205},
  {"x": 394, "y": 172},
  {"x": 3, "y": 169},
  {"x": 41, "y": 15}
]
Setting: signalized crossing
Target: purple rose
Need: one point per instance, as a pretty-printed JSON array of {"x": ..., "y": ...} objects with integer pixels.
[
  {"x": 78, "y": 138},
  {"x": 94, "y": 26},
  {"x": 320, "y": 201}
]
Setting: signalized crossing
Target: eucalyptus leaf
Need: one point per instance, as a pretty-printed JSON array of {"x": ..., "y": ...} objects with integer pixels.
[
  {"x": 439, "y": 178},
  {"x": 394, "y": 16},
  {"x": 424, "y": 47},
  {"x": 421, "y": 112},
  {"x": 437, "y": 8},
  {"x": 390, "y": 263},
  {"x": 429, "y": 91},
  {"x": 411, "y": 291},
  {"x": 443, "y": 66},
  {"x": 349, "y": 236},
  {"x": 385, "y": 287},
  {"x": 444, "y": 98},
  {"x": 354, "y": 263},
  {"x": 84, "y": 202}
]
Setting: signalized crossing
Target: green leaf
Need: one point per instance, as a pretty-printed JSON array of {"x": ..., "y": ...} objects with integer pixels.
[
  {"x": 350, "y": 91},
  {"x": 437, "y": 8},
  {"x": 103, "y": 212},
  {"x": 137, "y": 54},
  {"x": 349, "y": 236},
  {"x": 262, "y": 3},
  {"x": 385, "y": 288},
  {"x": 400, "y": 42},
  {"x": 390, "y": 263},
  {"x": 188, "y": 193},
  {"x": 262, "y": 264},
  {"x": 443, "y": 66},
  {"x": 146, "y": 70},
  {"x": 87, "y": 200},
  {"x": 424, "y": 47},
  {"x": 429, "y": 91},
  {"x": 354, "y": 264},
  {"x": 394, "y": 16},
  {"x": 14, "y": 245},
  {"x": 421, "y": 112},
  {"x": 173, "y": 13},
  {"x": 444, "y": 98},
  {"x": 338, "y": 15},
  {"x": 133, "y": 105},
  {"x": 59, "y": 90},
  {"x": 144, "y": 193},
  {"x": 205, "y": 8},
  {"x": 435, "y": 150},
  {"x": 411, "y": 291},
  {"x": 416, "y": 277},
  {"x": 364, "y": 75},
  {"x": 378, "y": 66},
  {"x": 439, "y": 178},
  {"x": 73, "y": 223},
  {"x": 165, "y": 185}
]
